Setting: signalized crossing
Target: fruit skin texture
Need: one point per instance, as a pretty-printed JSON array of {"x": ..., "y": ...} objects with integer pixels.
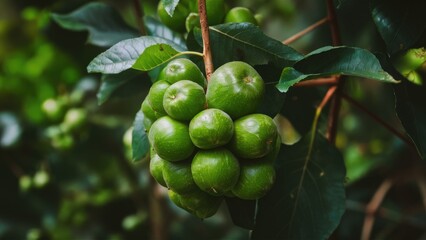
[
  {"x": 155, "y": 97},
  {"x": 182, "y": 69},
  {"x": 170, "y": 139},
  {"x": 239, "y": 15},
  {"x": 183, "y": 100},
  {"x": 254, "y": 137},
  {"x": 156, "y": 165},
  {"x": 197, "y": 203},
  {"x": 177, "y": 21},
  {"x": 215, "y": 171},
  {"x": 211, "y": 128},
  {"x": 235, "y": 88},
  {"x": 256, "y": 179},
  {"x": 178, "y": 177}
]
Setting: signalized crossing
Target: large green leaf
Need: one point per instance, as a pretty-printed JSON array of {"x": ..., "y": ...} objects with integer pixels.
[
  {"x": 123, "y": 55},
  {"x": 170, "y": 6},
  {"x": 410, "y": 108},
  {"x": 328, "y": 61},
  {"x": 158, "y": 29},
  {"x": 246, "y": 42},
  {"x": 401, "y": 23},
  {"x": 140, "y": 143},
  {"x": 308, "y": 198},
  {"x": 104, "y": 24}
]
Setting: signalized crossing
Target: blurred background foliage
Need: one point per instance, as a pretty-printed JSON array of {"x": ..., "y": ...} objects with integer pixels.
[{"x": 65, "y": 166}]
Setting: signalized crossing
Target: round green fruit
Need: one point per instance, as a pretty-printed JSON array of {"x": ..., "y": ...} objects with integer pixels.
[
  {"x": 156, "y": 166},
  {"x": 193, "y": 20},
  {"x": 254, "y": 137},
  {"x": 183, "y": 100},
  {"x": 155, "y": 96},
  {"x": 182, "y": 69},
  {"x": 74, "y": 118},
  {"x": 211, "y": 128},
  {"x": 235, "y": 88},
  {"x": 53, "y": 109},
  {"x": 177, "y": 21},
  {"x": 215, "y": 171},
  {"x": 147, "y": 110},
  {"x": 256, "y": 179},
  {"x": 239, "y": 15},
  {"x": 178, "y": 176},
  {"x": 170, "y": 139}
]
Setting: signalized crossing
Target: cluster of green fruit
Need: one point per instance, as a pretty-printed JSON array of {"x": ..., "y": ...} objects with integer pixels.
[
  {"x": 185, "y": 15},
  {"x": 209, "y": 144}
]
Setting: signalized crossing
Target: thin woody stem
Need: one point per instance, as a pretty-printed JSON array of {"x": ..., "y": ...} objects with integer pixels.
[
  {"x": 139, "y": 16},
  {"x": 305, "y": 31},
  {"x": 208, "y": 62},
  {"x": 317, "y": 82}
]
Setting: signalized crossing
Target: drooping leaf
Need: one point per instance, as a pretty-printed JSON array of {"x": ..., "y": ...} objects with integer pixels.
[
  {"x": 400, "y": 23},
  {"x": 308, "y": 198},
  {"x": 246, "y": 42},
  {"x": 157, "y": 29},
  {"x": 329, "y": 61},
  {"x": 104, "y": 24},
  {"x": 140, "y": 143},
  {"x": 410, "y": 100},
  {"x": 123, "y": 55},
  {"x": 242, "y": 212},
  {"x": 170, "y": 6}
]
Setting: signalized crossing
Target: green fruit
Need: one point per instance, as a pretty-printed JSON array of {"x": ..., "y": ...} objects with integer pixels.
[
  {"x": 254, "y": 137},
  {"x": 178, "y": 176},
  {"x": 272, "y": 155},
  {"x": 53, "y": 109},
  {"x": 215, "y": 171},
  {"x": 235, "y": 88},
  {"x": 239, "y": 15},
  {"x": 183, "y": 100},
  {"x": 127, "y": 138},
  {"x": 193, "y": 20},
  {"x": 156, "y": 166},
  {"x": 415, "y": 78},
  {"x": 74, "y": 119},
  {"x": 175, "y": 197},
  {"x": 177, "y": 21},
  {"x": 410, "y": 60},
  {"x": 155, "y": 96},
  {"x": 182, "y": 69},
  {"x": 147, "y": 110},
  {"x": 170, "y": 139},
  {"x": 256, "y": 179},
  {"x": 211, "y": 128}
]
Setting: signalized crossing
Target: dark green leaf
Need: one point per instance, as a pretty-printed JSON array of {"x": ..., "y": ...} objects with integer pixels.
[
  {"x": 273, "y": 100},
  {"x": 242, "y": 212},
  {"x": 328, "y": 61},
  {"x": 308, "y": 198},
  {"x": 157, "y": 29},
  {"x": 400, "y": 23},
  {"x": 170, "y": 6},
  {"x": 140, "y": 143},
  {"x": 246, "y": 42},
  {"x": 410, "y": 100},
  {"x": 104, "y": 24},
  {"x": 123, "y": 55}
]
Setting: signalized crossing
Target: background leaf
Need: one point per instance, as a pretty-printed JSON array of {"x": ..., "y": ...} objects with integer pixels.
[
  {"x": 170, "y": 6},
  {"x": 140, "y": 143},
  {"x": 400, "y": 23},
  {"x": 158, "y": 29},
  {"x": 104, "y": 24},
  {"x": 308, "y": 207},
  {"x": 246, "y": 42},
  {"x": 123, "y": 55},
  {"x": 328, "y": 61}
]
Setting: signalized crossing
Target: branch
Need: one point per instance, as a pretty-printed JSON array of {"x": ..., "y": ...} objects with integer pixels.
[
  {"x": 305, "y": 31},
  {"x": 208, "y": 62},
  {"x": 317, "y": 82},
  {"x": 139, "y": 16},
  {"x": 334, "y": 26}
]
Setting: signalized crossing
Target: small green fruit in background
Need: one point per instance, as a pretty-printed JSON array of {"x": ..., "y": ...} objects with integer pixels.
[
  {"x": 74, "y": 119},
  {"x": 178, "y": 176},
  {"x": 183, "y": 100},
  {"x": 239, "y": 15},
  {"x": 211, "y": 128},
  {"x": 155, "y": 96},
  {"x": 410, "y": 60},
  {"x": 53, "y": 109},
  {"x": 182, "y": 69},
  {"x": 156, "y": 166}
]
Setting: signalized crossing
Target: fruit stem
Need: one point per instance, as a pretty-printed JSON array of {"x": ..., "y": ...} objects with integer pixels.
[
  {"x": 306, "y": 31},
  {"x": 208, "y": 62},
  {"x": 317, "y": 82},
  {"x": 139, "y": 16}
]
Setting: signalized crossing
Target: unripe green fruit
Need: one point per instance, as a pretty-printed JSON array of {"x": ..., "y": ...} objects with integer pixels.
[
  {"x": 170, "y": 139},
  {"x": 53, "y": 109},
  {"x": 411, "y": 60},
  {"x": 178, "y": 176},
  {"x": 235, "y": 88},
  {"x": 215, "y": 171},
  {"x": 211, "y": 128},
  {"x": 156, "y": 166},
  {"x": 256, "y": 179},
  {"x": 254, "y": 137},
  {"x": 147, "y": 110},
  {"x": 182, "y": 69},
  {"x": 155, "y": 96},
  {"x": 239, "y": 15},
  {"x": 74, "y": 119},
  {"x": 177, "y": 21},
  {"x": 193, "y": 20},
  {"x": 183, "y": 100}
]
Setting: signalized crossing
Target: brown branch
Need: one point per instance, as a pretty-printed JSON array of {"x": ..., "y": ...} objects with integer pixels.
[
  {"x": 373, "y": 206},
  {"x": 305, "y": 31},
  {"x": 208, "y": 62},
  {"x": 317, "y": 82},
  {"x": 334, "y": 26},
  {"x": 139, "y": 16},
  {"x": 327, "y": 97}
]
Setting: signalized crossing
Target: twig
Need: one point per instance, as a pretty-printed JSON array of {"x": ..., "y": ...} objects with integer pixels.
[
  {"x": 139, "y": 16},
  {"x": 326, "y": 98},
  {"x": 372, "y": 208},
  {"x": 391, "y": 129},
  {"x": 305, "y": 31},
  {"x": 317, "y": 82},
  {"x": 208, "y": 62},
  {"x": 334, "y": 27}
]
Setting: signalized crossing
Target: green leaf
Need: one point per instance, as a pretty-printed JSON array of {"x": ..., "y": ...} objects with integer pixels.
[
  {"x": 329, "y": 61},
  {"x": 246, "y": 42},
  {"x": 170, "y": 6},
  {"x": 410, "y": 100},
  {"x": 308, "y": 198},
  {"x": 140, "y": 143},
  {"x": 104, "y": 24},
  {"x": 123, "y": 55},
  {"x": 400, "y": 23},
  {"x": 158, "y": 29}
]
